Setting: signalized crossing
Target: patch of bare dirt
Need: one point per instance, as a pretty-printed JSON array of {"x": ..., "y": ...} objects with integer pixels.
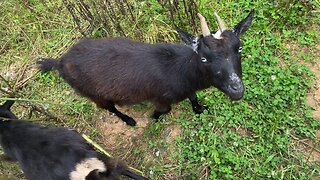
[
  {"x": 313, "y": 97},
  {"x": 117, "y": 134},
  {"x": 18, "y": 73},
  {"x": 309, "y": 148},
  {"x": 243, "y": 132},
  {"x": 171, "y": 133},
  {"x": 129, "y": 143}
]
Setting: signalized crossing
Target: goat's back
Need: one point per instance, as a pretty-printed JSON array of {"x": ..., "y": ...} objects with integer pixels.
[{"x": 123, "y": 71}]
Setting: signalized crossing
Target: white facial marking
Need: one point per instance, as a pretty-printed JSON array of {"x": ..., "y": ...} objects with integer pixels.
[
  {"x": 217, "y": 35},
  {"x": 83, "y": 168},
  {"x": 235, "y": 78},
  {"x": 195, "y": 43}
]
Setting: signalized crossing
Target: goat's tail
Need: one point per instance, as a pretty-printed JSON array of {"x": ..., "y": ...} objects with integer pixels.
[
  {"x": 133, "y": 175},
  {"x": 47, "y": 64},
  {"x": 7, "y": 105},
  {"x": 5, "y": 110}
]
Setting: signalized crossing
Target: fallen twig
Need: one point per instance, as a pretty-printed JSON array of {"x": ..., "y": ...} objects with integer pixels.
[{"x": 98, "y": 147}]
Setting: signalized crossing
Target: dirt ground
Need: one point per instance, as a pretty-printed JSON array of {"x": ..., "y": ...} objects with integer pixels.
[
  {"x": 310, "y": 148},
  {"x": 115, "y": 130},
  {"x": 122, "y": 140},
  {"x": 117, "y": 134},
  {"x": 313, "y": 98}
]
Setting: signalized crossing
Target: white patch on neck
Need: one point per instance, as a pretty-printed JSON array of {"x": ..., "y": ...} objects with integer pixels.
[
  {"x": 83, "y": 168},
  {"x": 217, "y": 35}
]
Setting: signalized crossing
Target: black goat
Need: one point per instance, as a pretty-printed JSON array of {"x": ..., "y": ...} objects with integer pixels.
[
  {"x": 55, "y": 153},
  {"x": 120, "y": 71}
]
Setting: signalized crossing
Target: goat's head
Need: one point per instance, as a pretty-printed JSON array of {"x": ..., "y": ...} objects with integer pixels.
[
  {"x": 221, "y": 54},
  {"x": 5, "y": 110}
]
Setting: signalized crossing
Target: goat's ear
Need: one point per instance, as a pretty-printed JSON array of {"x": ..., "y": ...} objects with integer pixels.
[
  {"x": 244, "y": 25},
  {"x": 185, "y": 36},
  {"x": 7, "y": 105}
]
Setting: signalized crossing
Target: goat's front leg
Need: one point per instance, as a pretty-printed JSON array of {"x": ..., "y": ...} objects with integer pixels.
[{"x": 196, "y": 106}]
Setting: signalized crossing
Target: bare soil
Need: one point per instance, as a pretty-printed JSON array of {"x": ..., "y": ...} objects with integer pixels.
[
  {"x": 310, "y": 148},
  {"x": 115, "y": 133},
  {"x": 313, "y": 99},
  {"x": 121, "y": 139},
  {"x": 124, "y": 141},
  {"x": 313, "y": 96}
]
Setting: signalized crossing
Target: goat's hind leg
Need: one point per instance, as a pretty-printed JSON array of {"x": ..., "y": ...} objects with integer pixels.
[
  {"x": 161, "y": 109},
  {"x": 108, "y": 105}
]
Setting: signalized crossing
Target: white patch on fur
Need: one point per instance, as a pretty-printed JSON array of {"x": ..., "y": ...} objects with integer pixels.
[
  {"x": 195, "y": 43},
  {"x": 217, "y": 35},
  {"x": 85, "y": 167},
  {"x": 235, "y": 78}
]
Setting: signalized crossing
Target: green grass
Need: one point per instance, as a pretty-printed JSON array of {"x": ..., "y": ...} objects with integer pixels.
[
  {"x": 255, "y": 138},
  {"x": 273, "y": 111}
]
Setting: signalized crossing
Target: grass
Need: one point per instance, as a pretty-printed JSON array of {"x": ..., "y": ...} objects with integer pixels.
[{"x": 255, "y": 138}]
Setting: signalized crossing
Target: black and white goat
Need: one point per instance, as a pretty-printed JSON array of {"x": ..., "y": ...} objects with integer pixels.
[
  {"x": 120, "y": 71},
  {"x": 55, "y": 153}
]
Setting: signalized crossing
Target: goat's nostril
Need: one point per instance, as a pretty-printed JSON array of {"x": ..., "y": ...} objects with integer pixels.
[{"x": 236, "y": 87}]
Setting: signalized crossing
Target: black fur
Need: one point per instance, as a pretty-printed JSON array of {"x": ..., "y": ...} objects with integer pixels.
[
  {"x": 5, "y": 111},
  {"x": 48, "y": 65},
  {"x": 120, "y": 71},
  {"x": 51, "y": 153}
]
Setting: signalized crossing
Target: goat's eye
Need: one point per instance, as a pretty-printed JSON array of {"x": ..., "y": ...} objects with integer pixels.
[
  {"x": 240, "y": 49},
  {"x": 203, "y": 59}
]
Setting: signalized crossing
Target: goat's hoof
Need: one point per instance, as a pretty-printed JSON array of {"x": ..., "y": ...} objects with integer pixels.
[
  {"x": 200, "y": 108},
  {"x": 130, "y": 121},
  {"x": 156, "y": 116}
]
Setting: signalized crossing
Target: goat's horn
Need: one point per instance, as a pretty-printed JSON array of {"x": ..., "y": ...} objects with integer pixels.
[
  {"x": 204, "y": 25},
  {"x": 221, "y": 24}
]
